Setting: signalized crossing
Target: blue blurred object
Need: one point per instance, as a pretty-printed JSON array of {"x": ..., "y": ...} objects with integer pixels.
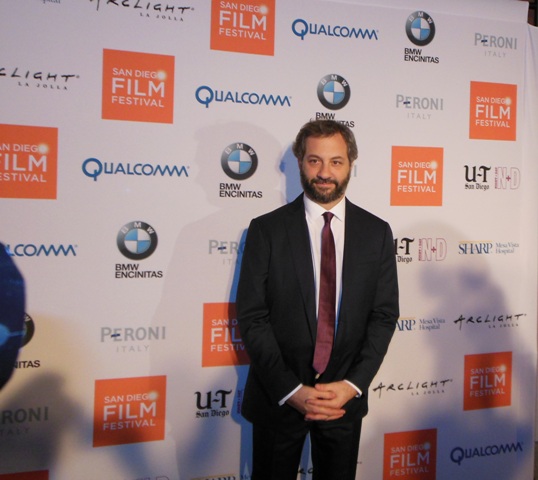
[{"x": 11, "y": 314}]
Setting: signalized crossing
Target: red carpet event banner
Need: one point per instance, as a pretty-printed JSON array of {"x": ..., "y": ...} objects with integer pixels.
[{"x": 138, "y": 138}]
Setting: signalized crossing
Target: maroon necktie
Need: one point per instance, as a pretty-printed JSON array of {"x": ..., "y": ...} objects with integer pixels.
[{"x": 327, "y": 298}]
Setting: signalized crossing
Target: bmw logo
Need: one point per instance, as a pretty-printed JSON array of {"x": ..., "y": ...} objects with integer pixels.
[
  {"x": 239, "y": 161},
  {"x": 28, "y": 330},
  {"x": 333, "y": 92},
  {"x": 137, "y": 240},
  {"x": 420, "y": 28}
]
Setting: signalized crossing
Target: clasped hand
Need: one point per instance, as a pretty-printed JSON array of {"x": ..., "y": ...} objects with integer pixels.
[{"x": 324, "y": 401}]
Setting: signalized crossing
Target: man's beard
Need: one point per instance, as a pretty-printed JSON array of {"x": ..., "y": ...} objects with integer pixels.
[{"x": 320, "y": 196}]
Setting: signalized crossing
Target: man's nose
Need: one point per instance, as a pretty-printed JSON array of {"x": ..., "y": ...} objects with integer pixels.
[{"x": 324, "y": 171}]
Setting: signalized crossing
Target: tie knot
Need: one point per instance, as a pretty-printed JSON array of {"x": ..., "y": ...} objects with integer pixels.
[{"x": 327, "y": 216}]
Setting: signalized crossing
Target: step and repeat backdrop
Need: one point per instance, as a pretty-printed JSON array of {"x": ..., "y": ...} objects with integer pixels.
[{"x": 137, "y": 140}]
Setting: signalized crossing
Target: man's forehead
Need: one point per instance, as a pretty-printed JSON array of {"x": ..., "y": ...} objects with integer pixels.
[{"x": 333, "y": 142}]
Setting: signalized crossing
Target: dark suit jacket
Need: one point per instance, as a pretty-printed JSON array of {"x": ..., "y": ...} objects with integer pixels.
[{"x": 276, "y": 309}]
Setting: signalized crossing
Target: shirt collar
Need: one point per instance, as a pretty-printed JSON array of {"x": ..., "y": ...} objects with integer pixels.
[{"x": 314, "y": 210}]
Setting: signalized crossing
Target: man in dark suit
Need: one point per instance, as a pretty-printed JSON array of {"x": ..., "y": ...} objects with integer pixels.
[{"x": 281, "y": 282}]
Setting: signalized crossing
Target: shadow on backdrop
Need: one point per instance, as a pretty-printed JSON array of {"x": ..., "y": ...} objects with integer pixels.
[{"x": 206, "y": 251}]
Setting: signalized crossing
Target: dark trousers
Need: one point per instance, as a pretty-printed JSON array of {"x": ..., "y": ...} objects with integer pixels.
[{"x": 334, "y": 448}]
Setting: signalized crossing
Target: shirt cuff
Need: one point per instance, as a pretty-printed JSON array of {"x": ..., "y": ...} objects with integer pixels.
[
  {"x": 285, "y": 399},
  {"x": 359, "y": 393}
]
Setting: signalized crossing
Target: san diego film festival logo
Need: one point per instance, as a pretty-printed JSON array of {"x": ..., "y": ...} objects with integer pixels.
[
  {"x": 410, "y": 455},
  {"x": 138, "y": 86},
  {"x": 243, "y": 26},
  {"x": 488, "y": 381},
  {"x": 417, "y": 176},
  {"x": 221, "y": 343},
  {"x": 28, "y": 162},
  {"x": 493, "y": 111},
  {"x": 129, "y": 410}
]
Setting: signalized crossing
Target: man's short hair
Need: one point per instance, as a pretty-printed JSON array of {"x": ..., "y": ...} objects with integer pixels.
[{"x": 324, "y": 128}]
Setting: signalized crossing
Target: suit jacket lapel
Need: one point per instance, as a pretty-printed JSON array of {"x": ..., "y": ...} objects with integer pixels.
[{"x": 299, "y": 240}]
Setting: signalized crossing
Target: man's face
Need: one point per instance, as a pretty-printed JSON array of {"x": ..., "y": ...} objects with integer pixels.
[{"x": 325, "y": 169}]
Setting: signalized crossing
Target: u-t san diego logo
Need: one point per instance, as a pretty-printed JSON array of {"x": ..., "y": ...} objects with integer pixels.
[
  {"x": 239, "y": 161},
  {"x": 333, "y": 92},
  {"x": 420, "y": 28},
  {"x": 137, "y": 240}
]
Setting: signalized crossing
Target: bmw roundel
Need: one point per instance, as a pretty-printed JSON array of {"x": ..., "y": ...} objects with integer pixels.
[
  {"x": 137, "y": 240},
  {"x": 239, "y": 161},
  {"x": 420, "y": 28},
  {"x": 333, "y": 92}
]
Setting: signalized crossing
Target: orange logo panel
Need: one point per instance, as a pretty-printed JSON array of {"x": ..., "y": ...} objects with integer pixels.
[
  {"x": 410, "y": 455},
  {"x": 222, "y": 344},
  {"x": 493, "y": 111},
  {"x": 417, "y": 176},
  {"x": 41, "y": 475},
  {"x": 129, "y": 410},
  {"x": 138, "y": 86},
  {"x": 488, "y": 381},
  {"x": 28, "y": 162},
  {"x": 243, "y": 26}
]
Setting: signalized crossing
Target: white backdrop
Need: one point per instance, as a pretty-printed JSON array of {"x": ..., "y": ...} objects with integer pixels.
[{"x": 124, "y": 205}]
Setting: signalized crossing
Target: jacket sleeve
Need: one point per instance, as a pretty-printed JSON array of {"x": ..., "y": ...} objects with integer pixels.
[
  {"x": 382, "y": 318},
  {"x": 254, "y": 316}
]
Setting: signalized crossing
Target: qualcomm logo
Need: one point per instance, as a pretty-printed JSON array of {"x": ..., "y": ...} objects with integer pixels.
[
  {"x": 32, "y": 250},
  {"x": 206, "y": 95},
  {"x": 459, "y": 454},
  {"x": 302, "y": 28},
  {"x": 93, "y": 168}
]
